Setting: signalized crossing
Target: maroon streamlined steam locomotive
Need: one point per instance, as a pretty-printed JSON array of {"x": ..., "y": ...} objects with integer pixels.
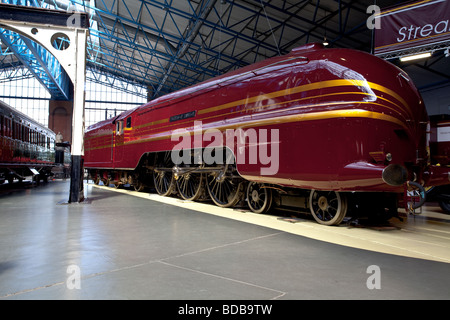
[{"x": 333, "y": 131}]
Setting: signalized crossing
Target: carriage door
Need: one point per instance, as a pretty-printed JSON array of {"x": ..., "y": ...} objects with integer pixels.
[{"x": 118, "y": 145}]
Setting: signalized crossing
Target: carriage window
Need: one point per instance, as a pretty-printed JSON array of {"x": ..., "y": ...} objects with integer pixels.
[
  {"x": 17, "y": 130},
  {"x": 129, "y": 122},
  {"x": 119, "y": 127},
  {"x": 20, "y": 132},
  {"x": 8, "y": 127}
]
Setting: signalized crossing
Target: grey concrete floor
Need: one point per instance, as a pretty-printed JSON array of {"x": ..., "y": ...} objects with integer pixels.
[{"x": 116, "y": 246}]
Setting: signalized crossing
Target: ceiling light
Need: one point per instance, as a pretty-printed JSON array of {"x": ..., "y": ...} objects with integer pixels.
[{"x": 416, "y": 56}]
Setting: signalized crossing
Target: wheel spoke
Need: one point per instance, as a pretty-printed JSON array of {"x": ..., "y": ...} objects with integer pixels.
[
  {"x": 223, "y": 191},
  {"x": 190, "y": 186},
  {"x": 259, "y": 197},
  {"x": 328, "y": 207},
  {"x": 164, "y": 180}
]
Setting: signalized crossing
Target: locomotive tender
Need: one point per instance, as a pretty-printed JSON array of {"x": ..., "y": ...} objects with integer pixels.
[{"x": 328, "y": 130}]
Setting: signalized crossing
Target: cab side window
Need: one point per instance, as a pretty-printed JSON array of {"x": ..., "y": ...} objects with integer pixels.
[
  {"x": 128, "y": 122},
  {"x": 119, "y": 127}
]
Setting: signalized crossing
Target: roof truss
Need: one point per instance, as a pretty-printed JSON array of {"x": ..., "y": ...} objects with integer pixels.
[{"x": 166, "y": 45}]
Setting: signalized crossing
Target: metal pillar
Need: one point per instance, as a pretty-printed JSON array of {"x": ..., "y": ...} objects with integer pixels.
[{"x": 64, "y": 35}]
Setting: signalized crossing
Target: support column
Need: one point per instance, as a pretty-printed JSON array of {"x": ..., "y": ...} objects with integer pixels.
[
  {"x": 46, "y": 27},
  {"x": 64, "y": 118},
  {"x": 77, "y": 172}
]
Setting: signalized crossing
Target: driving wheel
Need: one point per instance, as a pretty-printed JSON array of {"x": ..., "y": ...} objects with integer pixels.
[{"x": 327, "y": 207}]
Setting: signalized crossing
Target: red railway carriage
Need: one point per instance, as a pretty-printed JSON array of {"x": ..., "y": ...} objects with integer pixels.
[
  {"x": 27, "y": 147},
  {"x": 308, "y": 129}
]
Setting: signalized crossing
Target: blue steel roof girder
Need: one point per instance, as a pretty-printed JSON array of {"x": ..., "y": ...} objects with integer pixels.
[
  {"x": 160, "y": 34},
  {"x": 276, "y": 48},
  {"x": 152, "y": 41},
  {"x": 162, "y": 37},
  {"x": 113, "y": 65},
  {"x": 109, "y": 36},
  {"x": 52, "y": 68},
  {"x": 321, "y": 23},
  {"x": 14, "y": 72},
  {"x": 188, "y": 36},
  {"x": 289, "y": 14},
  {"x": 257, "y": 14},
  {"x": 115, "y": 55},
  {"x": 100, "y": 14},
  {"x": 224, "y": 29},
  {"x": 32, "y": 3},
  {"x": 204, "y": 22},
  {"x": 295, "y": 14},
  {"x": 101, "y": 76},
  {"x": 191, "y": 31},
  {"x": 151, "y": 30},
  {"x": 42, "y": 64},
  {"x": 157, "y": 30}
]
